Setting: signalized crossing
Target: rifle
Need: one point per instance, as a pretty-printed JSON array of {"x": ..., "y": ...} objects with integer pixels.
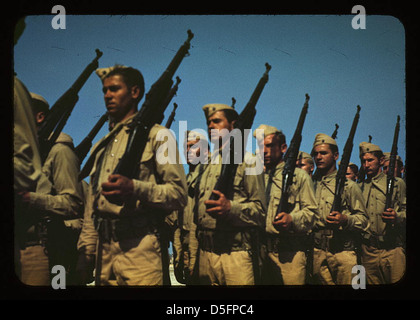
[
  {"x": 290, "y": 161},
  {"x": 345, "y": 159},
  {"x": 246, "y": 118},
  {"x": 83, "y": 148},
  {"x": 390, "y": 179},
  {"x": 61, "y": 110},
  {"x": 171, "y": 117},
  {"x": 149, "y": 114},
  {"x": 334, "y": 135},
  {"x": 171, "y": 94}
]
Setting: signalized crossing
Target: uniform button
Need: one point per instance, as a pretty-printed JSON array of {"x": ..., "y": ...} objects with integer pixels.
[
  {"x": 116, "y": 140},
  {"x": 112, "y": 154}
]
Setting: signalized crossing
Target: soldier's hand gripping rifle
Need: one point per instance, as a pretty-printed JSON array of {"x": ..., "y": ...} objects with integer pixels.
[
  {"x": 390, "y": 179},
  {"x": 150, "y": 113},
  {"x": 83, "y": 148},
  {"x": 290, "y": 161},
  {"x": 345, "y": 160},
  {"x": 61, "y": 110},
  {"x": 171, "y": 117},
  {"x": 225, "y": 182}
]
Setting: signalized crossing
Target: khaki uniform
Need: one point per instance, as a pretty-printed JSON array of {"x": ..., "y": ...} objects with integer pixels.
[
  {"x": 186, "y": 252},
  {"x": 225, "y": 244},
  {"x": 133, "y": 254},
  {"x": 26, "y": 159},
  {"x": 287, "y": 250},
  {"x": 383, "y": 246},
  {"x": 57, "y": 206},
  {"x": 334, "y": 250}
]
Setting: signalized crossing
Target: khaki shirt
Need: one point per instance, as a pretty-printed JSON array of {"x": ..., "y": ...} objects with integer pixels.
[
  {"x": 59, "y": 191},
  {"x": 159, "y": 189},
  {"x": 26, "y": 159},
  {"x": 304, "y": 208},
  {"x": 374, "y": 191},
  {"x": 248, "y": 206},
  {"x": 353, "y": 206},
  {"x": 185, "y": 220}
]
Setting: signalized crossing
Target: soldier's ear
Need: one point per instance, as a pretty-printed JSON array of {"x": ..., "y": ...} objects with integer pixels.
[
  {"x": 40, "y": 117},
  {"x": 135, "y": 92}
]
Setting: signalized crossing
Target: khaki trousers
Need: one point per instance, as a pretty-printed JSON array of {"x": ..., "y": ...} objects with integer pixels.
[
  {"x": 34, "y": 266},
  {"x": 132, "y": 262},
  {"x": 333, "y": 268},
  {"x": 383, "y": 266},
  {"x": 231, "y": 269},
  {"x": 291, "y": 265}
]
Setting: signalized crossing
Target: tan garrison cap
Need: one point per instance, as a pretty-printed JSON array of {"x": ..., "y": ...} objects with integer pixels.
[
  {"x": 267, "y": 131},
  {"x": 305, "y": 155},
  {"x": 40, "y": 98},
  {"x": 368, "y": 147},
  {"x": 387, "y": 157},
  {"x": 322, "y": 138},
  {"x": 194, "y": 135},
  {"x": 211, "y": 108},
  {"x": 103, "y": 72}
]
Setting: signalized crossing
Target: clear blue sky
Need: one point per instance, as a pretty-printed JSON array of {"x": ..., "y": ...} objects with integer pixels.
[{"x": 321, "y": 55}]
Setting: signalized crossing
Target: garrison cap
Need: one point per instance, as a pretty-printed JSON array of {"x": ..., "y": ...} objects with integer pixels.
[
  {"x": 322, "y": 138},
  {"x": 387, "y": 157},
  {"x": 267, "y": 131},
  {"x": 305, "y": 155},
  {"x": 368, "y": 147},
  {"x": 103, "y": 72},
  {"x": 211, "y": 108},
  {"x": 194, "y": 135},
  {"x": 39, "y": 98}
]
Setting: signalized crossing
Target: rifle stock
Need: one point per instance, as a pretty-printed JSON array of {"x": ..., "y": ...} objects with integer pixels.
[
  {"x": 345, "y": 160},
  {"x": 61, "y": 110},
  {"x": 290, "y": 160}
]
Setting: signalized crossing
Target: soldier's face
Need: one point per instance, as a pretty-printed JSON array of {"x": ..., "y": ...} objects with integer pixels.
[
  {"x": 371, "y": 164},
  {"x": 304, "y": 164},
  {"x": 120, "y": 101},
  {"x": 350, "y": 174},
  {"x": 273, "y": 151},
  {"x": 323, "y": 156},
  {"x": 215, "y": 125},
  {"x": 193, "y": 149}
]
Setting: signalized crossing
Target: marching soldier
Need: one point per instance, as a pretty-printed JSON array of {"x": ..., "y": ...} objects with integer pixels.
[
  {"x": 287, "y": 238},
  {"x": 129, "y": 212},
  {"x": 336, "y": 233},
  {"x": 56, "y": 206},
  {"x": 224, "y": 227},
  {"x": 383, "y": 248}
]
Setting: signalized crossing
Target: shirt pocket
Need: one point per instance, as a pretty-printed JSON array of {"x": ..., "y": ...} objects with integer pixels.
[{"x": 147, "y": 164}]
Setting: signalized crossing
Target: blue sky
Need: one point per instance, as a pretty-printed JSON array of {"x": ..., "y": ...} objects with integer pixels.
[{"x": 322, "y": 55}]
